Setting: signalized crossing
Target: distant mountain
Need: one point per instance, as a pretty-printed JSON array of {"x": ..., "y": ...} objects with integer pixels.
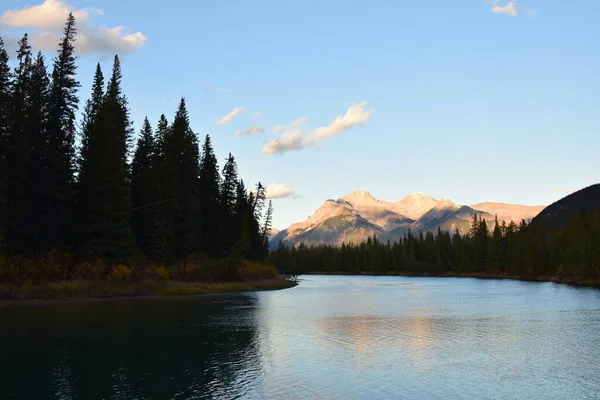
[
  {"x": 509, "y": 212},
  {"x": 335, "y": 222},
  {"x": 358, "y": 215},
  {"x": 273, "y": 232},
  {"x": 562, "y": 211}
]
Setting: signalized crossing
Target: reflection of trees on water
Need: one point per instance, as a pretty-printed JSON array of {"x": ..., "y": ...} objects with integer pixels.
[{"x": 155, "y": 349}]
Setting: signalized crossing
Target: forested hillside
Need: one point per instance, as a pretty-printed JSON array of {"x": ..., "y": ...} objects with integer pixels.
[
  {"x": 77, "y": 196},
  {"x": 561, "y": 212},
  {"x": 522, "y": 251}
]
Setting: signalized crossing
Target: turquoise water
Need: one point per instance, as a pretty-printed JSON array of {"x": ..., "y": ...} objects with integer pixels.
[{"x": 328, "y": 338}]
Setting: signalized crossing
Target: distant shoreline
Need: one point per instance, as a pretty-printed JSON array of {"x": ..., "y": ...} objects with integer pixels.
[
  {"x": 88, "y": 291},
  {"x": 571, "y": 280}
]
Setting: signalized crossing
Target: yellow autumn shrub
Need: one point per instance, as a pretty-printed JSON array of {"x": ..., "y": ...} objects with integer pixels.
[{"x": 119, "y": 273}]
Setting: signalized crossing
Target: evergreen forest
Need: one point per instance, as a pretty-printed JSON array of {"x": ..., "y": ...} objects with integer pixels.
[{"x": 89, "y": 197}]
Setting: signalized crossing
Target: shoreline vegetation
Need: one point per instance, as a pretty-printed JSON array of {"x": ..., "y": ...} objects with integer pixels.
[
  {"x": 565, "y": 280},
  {"x": 89, "y": 209},
  {"x": 62, "y": 292},
  {"x": 60, "y": 276}
]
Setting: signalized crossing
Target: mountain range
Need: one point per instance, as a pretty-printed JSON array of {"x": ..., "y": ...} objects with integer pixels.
[{"x": 358, "y": 215}]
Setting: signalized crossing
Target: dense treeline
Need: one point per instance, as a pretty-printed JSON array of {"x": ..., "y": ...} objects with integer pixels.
[
  {"x": 524, "y": 250},
  {"x": 85, "y": 188}
]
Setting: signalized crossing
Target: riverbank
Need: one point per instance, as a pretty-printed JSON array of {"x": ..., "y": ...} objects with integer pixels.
[
  {"x": 80, "y": 290},
  {"x": 566, "y": 280}
]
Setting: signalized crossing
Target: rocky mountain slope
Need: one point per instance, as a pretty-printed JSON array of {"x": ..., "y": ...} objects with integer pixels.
[{"x": 358, "y": 215}]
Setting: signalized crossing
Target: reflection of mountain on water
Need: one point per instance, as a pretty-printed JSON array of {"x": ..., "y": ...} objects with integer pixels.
[
  {"x": 372, "y": 341},
  {"x": 139, "y": 349}
]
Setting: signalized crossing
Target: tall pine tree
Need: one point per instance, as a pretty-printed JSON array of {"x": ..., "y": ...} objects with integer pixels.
[
  {"x": 89, "y": 172},
  {"x": 37, "y": 120},
  {"x": 19, "y": 153},
  {"x": 209, "y": 201},
  {"x": 58, "y": 182},
  {"x": 5, "y": 90},
  {"x": 115, "y": 130},
  {"x": 108, "y": 220},
  {"x": 228, "y": 227},
  {"x": 180, "y": 184},
  {"x": 146, "y": 197}
]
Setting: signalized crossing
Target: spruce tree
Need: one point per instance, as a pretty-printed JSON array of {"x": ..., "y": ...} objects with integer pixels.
[
  {"x": 146, "y": 197},
  {"x": 88, "y": 162},
  {"x": 37, "y": 120},
  {"x": 170, "y": 192},
  {"x": 108, "y": 226},
  {"x": 257, "y": 243},
  {"x": 180, "y": 184},
  {"x": 209, "y": 201},
  {"x": 116, "y": 132},
  {"x": 266, "y": 228},
  {"x": 228, "y": 228},
  {"x": 19, "y": 153},
  {"x": 162, "y": 133},
  {"x": 5, "y": 90},
  {"x": 229, "y": 184},
  {"x": 58, "y": 188},
  {"x": 241, "y": 223}
]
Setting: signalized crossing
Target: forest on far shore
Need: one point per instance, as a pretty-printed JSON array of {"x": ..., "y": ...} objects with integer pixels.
[
  {"x": 89, "y": 199},
  {"x": 526, "y": 251}
]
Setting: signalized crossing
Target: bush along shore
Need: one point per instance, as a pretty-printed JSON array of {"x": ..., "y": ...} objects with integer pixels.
[
  {"x": 89, "y": 208},
  {"x": 563, "y": 254},
  {"x": 59, "y": 277}
]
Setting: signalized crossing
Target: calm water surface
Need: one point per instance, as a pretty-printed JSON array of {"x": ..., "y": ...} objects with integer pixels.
[{"x": 329, "y": 338}]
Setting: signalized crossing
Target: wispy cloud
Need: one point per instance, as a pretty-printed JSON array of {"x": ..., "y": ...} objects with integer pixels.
[
  {"x": 589, "y": 176},
  {"x": 286, "y": 142},
  {"x": 278, "y": 191},
  {"x": 257, "y": 115},
  {"x": 531, "y": 13},
  {"x": 293, "y": 139},
  {"x": 226, "y": 119},
  {"x": 283, "y": 128},
  {"x": 504, "y": 7},
  {"x": 50, "y": 17},
  {"x": 251, "y": 131},
  {"x": 209, "y": 88}
]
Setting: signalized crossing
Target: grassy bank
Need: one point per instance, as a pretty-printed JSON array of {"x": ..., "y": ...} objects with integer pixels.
[
  {"x": 567, "y": 280},
  {"x": 61, "y": 276},
  {"x": 83, "y": 289}
]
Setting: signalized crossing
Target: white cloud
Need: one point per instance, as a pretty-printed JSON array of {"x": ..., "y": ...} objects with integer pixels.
[
  {"x": 278, "y": 191},
  {"x": 51, "y": 16},
  {"x": 251, "y": 131},
  {"x": 292, "y": 139},
  {"x": 209, "y": 88},
  {"x": 504, "y": 7},
  {"x": 226, "y": 119},
  {"x": 356, "y": 115},
  {"x": 257, "y": 115},
  {"x": 286, "y": 142}
]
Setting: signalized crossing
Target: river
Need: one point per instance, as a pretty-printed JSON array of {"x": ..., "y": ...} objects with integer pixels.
[{"x": 331, "y": 337}]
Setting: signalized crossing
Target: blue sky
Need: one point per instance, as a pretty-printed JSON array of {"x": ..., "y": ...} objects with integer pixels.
[{"x": 468, "y": 100}]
